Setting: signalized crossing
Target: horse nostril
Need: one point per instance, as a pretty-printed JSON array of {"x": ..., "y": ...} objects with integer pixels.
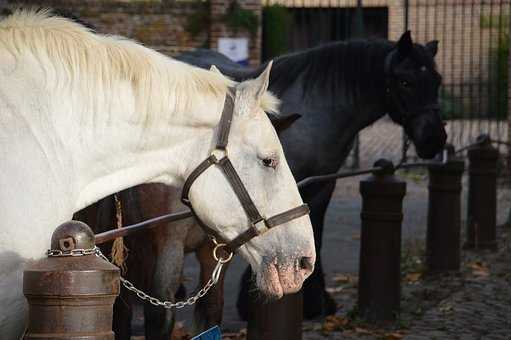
[{"x": 306, "y": 263}]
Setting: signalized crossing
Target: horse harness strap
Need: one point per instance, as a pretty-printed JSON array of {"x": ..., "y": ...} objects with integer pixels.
[{"x": 258, "y": 224}]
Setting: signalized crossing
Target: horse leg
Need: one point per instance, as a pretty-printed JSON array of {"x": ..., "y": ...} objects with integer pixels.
[
  {"x": 244, "y": 294},
  {"x": 159, "y": 321},
  {"x": 318, "y": 198},
  {"x": 123, "y": 314},
  {"x": 208, "y": 310}
]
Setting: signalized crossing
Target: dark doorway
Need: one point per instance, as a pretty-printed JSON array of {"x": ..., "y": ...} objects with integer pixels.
[{"x": 290, "y": 29}]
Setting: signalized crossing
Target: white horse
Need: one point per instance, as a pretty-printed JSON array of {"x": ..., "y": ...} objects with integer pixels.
[{"x": 84, "y": 115}]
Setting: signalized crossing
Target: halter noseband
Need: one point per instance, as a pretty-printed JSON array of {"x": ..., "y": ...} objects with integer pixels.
[
  {"x": 393, "y": 97},
  {"x": 219, "y": 157}
]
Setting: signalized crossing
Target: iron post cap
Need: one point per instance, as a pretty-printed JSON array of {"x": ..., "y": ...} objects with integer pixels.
[
  {"x": 387, "y": 167},
  {"x": 72, "y": 235},
  {"x": 483, "y": 139}
]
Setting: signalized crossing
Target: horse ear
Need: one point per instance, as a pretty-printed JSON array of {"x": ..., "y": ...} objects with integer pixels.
[
  {"x": 282, "y": 121},
  {"x": 262, "y": 81},
  {"x": 405, "y": 44},
  {"x": 213, "y": 68},
  {"x": 432, "y": 47}
]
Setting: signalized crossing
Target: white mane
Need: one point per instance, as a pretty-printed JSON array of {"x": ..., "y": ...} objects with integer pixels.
[{"x": 94, "y": 61}]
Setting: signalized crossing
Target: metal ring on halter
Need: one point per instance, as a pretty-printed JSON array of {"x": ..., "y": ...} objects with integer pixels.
[
  {"x": 220, "y": 259},
  {"x": 219, "y": 154}
]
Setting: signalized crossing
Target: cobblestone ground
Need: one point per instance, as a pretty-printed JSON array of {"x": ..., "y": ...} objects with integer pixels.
[{"x": 475, "y": 304}]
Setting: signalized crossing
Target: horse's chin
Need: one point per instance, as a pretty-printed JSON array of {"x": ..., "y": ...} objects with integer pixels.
[
  {"x": 268, "y": 282},
  {"x": 273, "y": 284}
]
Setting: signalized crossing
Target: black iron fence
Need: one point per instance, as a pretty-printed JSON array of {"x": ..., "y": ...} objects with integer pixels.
[
  {"x": 473, "y": 59},
  {"x": 473, "y": 53}
]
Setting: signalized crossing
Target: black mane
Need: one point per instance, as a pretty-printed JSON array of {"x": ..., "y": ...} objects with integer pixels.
[
  {"x": 338, "y": 69},
  {"x": 341, "y": 70}
]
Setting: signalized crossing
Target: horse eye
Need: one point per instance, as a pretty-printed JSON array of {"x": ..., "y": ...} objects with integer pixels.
[{"x": 270, "y": 162}]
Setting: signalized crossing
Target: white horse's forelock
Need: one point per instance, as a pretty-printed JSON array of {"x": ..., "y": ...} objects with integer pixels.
[{"x": 156, "y": 80}]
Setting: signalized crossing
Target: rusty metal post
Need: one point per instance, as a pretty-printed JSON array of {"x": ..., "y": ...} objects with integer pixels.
[
  {"x": 444, "y": 214},
  {"x": 71, "y": 297},
  {"x": 482, "y": 195},
  {"x": 276, "y": 320},
  {"x": 379, "y": 286}
]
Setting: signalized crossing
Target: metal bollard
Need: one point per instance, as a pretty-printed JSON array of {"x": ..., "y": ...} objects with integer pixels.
[
  {"x": 276, "y": 320},
  {"x": 379, "y": 286},
  {"x": 444, "y": 214},
  {"x": 71, "y": 297},
  {"x": 482, "y": 196}
]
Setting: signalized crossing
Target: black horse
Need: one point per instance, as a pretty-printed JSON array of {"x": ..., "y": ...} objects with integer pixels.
[{"x": 338, "y": 89}]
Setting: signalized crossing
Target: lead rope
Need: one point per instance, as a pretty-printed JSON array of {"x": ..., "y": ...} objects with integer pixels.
[
  {"x": 215, "y": 276},
  {"x": 119, "y": 251}
]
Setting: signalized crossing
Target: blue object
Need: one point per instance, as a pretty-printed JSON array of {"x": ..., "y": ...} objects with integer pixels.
[{"x": 211, "y": 334}]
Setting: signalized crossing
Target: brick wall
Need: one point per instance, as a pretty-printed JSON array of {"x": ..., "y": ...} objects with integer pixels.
[
  {"x": 160, "y": 25},
  {"x": 218, "y": 29}
]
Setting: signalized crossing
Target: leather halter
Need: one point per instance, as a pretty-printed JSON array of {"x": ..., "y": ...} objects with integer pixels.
[
  {"x": 258, "y": 224},
  {"x": 392, "y": 95}
]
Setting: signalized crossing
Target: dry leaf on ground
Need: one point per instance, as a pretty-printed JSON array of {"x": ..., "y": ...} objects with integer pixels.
[
  {"x": 413, "y": 277},
  {"x": 394, "y": 336},
  {"x": 479, "y": 269},
  {"x": 334, "y": 323},
  {"x": 179, "y": 332}
]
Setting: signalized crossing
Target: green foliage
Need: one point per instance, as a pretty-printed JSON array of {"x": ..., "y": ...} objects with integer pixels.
[
  {"x": 499, "y": 76},
  {"x": 198, "y": 21},
  {"x": 278, "y": 22},
  {"x": 495, "y": 21},
  {"x": 499, "y": 56},
  {"x": 450, "y": 106},
  {"x": 238, "y": 18}
]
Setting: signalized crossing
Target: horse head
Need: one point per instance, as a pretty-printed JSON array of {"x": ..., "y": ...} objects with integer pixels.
[
  {"x": 282, "y": 256},
  {"x": 412, "y": 85}
]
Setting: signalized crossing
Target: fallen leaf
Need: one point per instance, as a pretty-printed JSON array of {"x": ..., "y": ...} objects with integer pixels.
[
  {"x": 362, "y": 330},
  {"x": 413, "y": 277},
  {"x": 179, "y": 332},
  {"x": 446, "y": 308},
  {"x": 341, "y": 278},
  {"x": 334, "y": 290},
  {"x": 334, "y": 323},
  {"x": 393, "y": 336},
  {"x": 479, "y": 269}
]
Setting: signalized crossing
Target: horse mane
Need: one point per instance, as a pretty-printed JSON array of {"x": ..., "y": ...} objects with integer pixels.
[
  {"x": 97, "y": 61},
  {"x": 341, "y": 70}
]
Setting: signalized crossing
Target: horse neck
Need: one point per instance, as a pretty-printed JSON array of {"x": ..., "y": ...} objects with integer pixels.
[
  {"x": 345, "y": 76},
  {"x": 117, "y": 156},
  {"x": 121, "y": 138}
]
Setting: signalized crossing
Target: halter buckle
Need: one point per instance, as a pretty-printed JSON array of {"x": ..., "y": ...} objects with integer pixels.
[
  {"x": 219, "y": 154},
  {"x": 260, "y": 226}
]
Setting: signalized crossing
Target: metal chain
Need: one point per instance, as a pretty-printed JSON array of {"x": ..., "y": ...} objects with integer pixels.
[
  {"x": 73, "y": 252},
  {"x": 215, "y": 276}
]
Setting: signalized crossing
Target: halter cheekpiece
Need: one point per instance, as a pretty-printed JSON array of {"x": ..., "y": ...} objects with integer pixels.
[{"x": 219, "y": 157}]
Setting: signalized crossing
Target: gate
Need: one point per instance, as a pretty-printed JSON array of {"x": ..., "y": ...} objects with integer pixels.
[
  {"x": 473, "y": 59},
  {"x": 473, "y": 53}
]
